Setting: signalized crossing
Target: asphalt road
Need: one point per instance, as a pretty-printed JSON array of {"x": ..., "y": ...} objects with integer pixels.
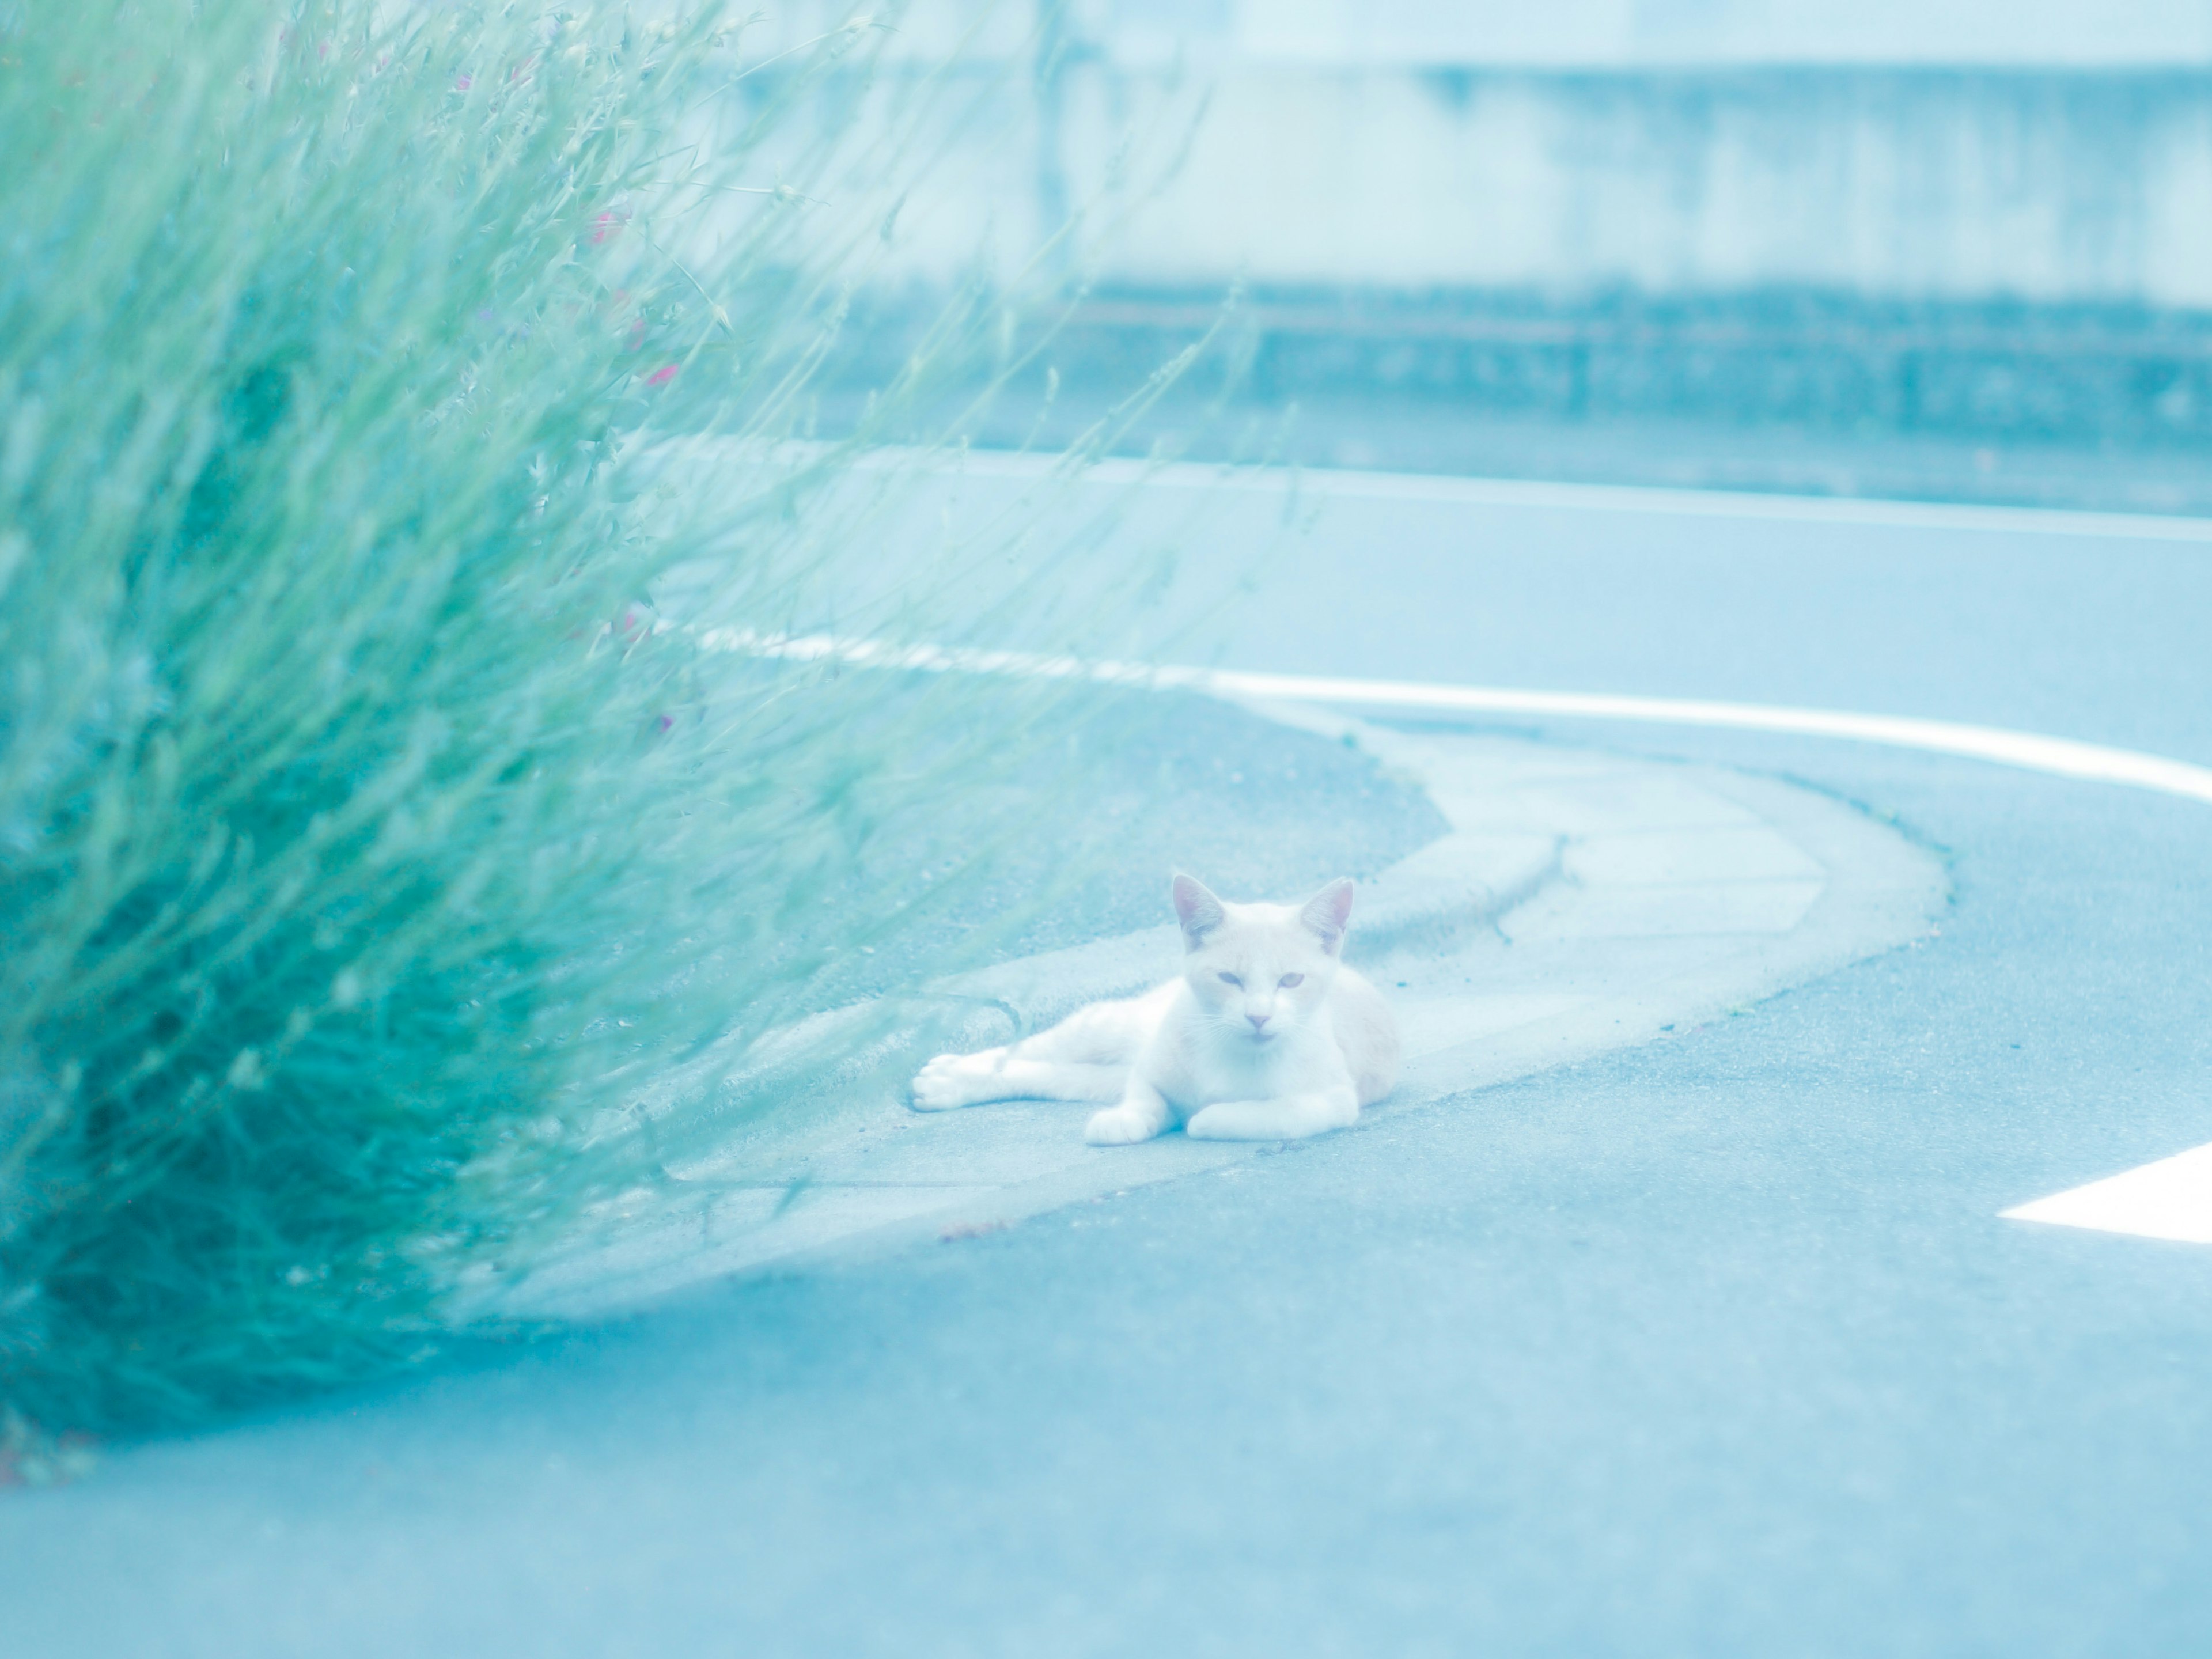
[{"x": 1712, "y": 1348}]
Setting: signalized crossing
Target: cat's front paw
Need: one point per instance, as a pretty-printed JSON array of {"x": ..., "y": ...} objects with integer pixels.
[
  {"x": 1232, "y": 1119},
  {"x": 1119, "y": 1126},
  {"x": 942, "y": 1084}
]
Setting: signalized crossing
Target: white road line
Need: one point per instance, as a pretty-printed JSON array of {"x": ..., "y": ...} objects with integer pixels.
[
  {"x": 2030, "y": 752},
  {"x": 1364, "y": 486},
  {"x": 2170, "y": 1199}
]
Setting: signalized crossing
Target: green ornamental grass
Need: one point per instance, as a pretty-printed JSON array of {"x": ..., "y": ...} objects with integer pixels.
[{"x": 369, "y": 848}]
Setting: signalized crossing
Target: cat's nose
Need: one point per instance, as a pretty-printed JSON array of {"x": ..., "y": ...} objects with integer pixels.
[{"x": 1258, "y": 1021}]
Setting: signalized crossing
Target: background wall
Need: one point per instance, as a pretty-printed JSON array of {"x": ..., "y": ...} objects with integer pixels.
[
  {"x": 2042, "y": 185},
  {"x": 1958, "y": 214}
]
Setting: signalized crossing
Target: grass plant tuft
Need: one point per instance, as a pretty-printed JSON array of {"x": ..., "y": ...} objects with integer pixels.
[{"x": 368, "y": 846}]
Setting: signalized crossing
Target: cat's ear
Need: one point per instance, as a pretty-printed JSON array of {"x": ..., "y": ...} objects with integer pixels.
[
  {"x": 1328, "y": 913},
  {"x": 1198, "y": 910}
]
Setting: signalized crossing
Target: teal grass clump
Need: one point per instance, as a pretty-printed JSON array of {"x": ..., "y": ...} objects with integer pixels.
[{"x": 365, "y": 847}]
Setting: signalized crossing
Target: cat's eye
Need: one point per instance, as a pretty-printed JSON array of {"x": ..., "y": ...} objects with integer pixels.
[
  {"x": 1291, "y": 982},
  {"x": 1232, "y": 979}
]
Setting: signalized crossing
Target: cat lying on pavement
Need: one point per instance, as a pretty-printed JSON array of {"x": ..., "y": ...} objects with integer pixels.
[{"x": 1267, "y": 1035}]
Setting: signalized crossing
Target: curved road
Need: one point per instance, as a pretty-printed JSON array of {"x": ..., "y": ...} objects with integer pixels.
[{"x": 1709, "y": 1348}]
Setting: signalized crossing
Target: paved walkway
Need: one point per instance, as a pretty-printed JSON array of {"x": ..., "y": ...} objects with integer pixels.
[{"x": 1581, "y": 901}]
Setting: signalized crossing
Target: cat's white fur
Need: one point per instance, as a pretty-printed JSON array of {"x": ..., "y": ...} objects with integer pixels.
[{"x": 1267, "y": 1035}]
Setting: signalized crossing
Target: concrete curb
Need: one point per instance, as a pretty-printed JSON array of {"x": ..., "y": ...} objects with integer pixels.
[{"x": 1582, "y": 902}]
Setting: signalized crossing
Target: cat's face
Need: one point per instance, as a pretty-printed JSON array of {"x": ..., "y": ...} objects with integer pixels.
[{"x": 1261, "y": 970}]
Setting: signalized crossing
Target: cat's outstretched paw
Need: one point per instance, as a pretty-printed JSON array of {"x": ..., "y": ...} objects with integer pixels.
[
  {"x": 1119, "y": 1126},
  {"x": 1233, "y": 1119},
  {"x": 942, "y": 1084}
]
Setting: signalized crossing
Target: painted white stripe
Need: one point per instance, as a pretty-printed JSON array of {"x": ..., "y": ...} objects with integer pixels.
[
  {"x": 2062, "y": 757},
  {"x": 2170, "y": 1199},
  {"x": 1364, "y": 486}
]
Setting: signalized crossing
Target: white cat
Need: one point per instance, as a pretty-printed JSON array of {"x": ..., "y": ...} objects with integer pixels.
[{"x": 1267, "y": 1035}]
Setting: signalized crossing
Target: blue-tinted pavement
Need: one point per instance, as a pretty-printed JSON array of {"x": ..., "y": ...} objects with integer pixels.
[{"x": 1711, "y": 1347}]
